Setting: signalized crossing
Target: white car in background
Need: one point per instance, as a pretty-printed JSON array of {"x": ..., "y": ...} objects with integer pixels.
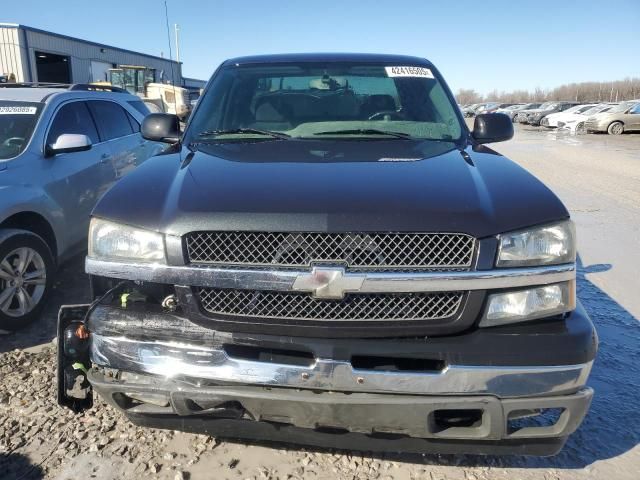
[
  {"x": 575, "y": 122},
  {"x": 551, "y": 121}
]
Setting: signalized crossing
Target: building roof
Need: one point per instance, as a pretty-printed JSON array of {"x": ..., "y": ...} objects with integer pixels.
[
  {"x": 331, "y": 57},
  {"x": 67, "y": 37}
]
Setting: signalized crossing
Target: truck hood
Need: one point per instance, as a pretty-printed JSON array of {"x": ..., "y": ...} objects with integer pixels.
[{"x": 331, "y": 186}]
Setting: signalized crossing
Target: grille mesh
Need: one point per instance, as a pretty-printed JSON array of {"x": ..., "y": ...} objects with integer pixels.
[
  {"x": 300, "y": 306},
  {"x": 357, "y": 250}
]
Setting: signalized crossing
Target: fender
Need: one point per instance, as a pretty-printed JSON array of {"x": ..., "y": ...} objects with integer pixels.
[{"x": 27, "y": 198}]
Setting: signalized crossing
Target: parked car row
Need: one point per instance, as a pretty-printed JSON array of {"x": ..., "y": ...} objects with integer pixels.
[
  {"x": 612, "y": 118},
  {"x": 535, "y": 116},
  {"x": 471, "y": 110},
  {"x": 608, "y": 117}
]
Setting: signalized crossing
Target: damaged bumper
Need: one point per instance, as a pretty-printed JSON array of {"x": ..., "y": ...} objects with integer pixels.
[
  {"x": 461, "y": 417},
  {"x": 488, "y": 391},
  {"x": 181, "y": 360}
]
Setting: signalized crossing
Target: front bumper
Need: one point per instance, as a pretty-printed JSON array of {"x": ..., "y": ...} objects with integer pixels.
[
  {"x": 164, "y": 371},
  {"x": 594, "y": 126},
  {"x": 206, "y": 364},
  {"x": 536, "y": 121},
  {"x": 463, "y": 418},
  {"x": 549, "y": 123}
]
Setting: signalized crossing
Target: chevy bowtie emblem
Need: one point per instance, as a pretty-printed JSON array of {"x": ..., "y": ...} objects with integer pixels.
[{"x": 328, "y": 282}]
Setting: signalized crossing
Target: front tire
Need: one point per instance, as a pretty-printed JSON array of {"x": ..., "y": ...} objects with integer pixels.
[
  {"x": 616, "y": 128},
  {"x": 26, "y": 277}
]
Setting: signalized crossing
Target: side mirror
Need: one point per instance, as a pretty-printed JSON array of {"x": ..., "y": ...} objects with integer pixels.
[
  {"x": 69, "y": 143},
  {"x": 161, "y": 127},
  {"x": 492, "y": 127}
]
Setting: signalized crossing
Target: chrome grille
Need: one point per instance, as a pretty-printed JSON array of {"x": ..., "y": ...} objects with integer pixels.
[
  {"x": 356, "y": 250},
  {"x": 300, "y": 306}
]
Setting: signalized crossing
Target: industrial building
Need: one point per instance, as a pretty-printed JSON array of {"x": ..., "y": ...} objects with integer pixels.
[{"x": 31, "y": 55}]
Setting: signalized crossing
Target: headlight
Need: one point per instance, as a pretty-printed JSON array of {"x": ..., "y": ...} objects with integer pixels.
[
  {"x": 521, "y": 305},
  {"x": 112, "y": 241},
  {"x": 549, "y": 245}
]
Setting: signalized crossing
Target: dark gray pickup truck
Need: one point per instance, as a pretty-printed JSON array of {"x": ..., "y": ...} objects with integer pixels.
[{"x": 328, "y": 256}]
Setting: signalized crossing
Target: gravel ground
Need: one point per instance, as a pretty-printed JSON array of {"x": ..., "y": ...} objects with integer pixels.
[{"x": 598, "y": 177}]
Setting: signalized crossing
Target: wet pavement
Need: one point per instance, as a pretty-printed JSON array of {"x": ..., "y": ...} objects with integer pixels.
[{"x": 598, "y": 178}]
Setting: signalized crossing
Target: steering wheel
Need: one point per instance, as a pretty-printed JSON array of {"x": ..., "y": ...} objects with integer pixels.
[
  {"x": 393, "y": 115},
  {"x": 13, "y": 142}
]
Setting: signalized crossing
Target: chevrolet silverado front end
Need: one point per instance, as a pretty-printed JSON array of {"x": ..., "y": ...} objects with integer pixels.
[{"x": 327, "y": 256}]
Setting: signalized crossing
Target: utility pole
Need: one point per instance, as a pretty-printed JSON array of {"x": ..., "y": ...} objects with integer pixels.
[{"x": 177, "y": 29}]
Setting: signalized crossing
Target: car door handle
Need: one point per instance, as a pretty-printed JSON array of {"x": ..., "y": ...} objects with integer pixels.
[{"x": 105, "y": 157}]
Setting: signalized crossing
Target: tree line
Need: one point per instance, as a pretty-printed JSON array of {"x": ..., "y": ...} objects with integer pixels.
[{"x": 617, "y": 91}]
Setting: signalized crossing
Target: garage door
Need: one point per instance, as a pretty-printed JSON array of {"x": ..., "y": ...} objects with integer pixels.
[
  {"x": 100, "y": 71},
  {"x": 52, "y": 68}
]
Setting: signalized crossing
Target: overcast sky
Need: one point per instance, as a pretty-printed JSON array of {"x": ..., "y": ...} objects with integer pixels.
[{"x": 484, "y": 45}]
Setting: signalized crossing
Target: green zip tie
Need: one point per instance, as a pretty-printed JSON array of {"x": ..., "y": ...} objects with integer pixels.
[
  {"x": 79, "y": 366},
  {"x": 123, "y": 299}
]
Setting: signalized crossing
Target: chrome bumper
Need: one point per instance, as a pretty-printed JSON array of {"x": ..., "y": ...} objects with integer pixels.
[
  {"x": 369, "y": 282},
  {"x": 179, "y": 360}
]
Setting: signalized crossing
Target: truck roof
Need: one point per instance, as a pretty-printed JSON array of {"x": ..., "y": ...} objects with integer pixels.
[{"x": 331, "y": 57}]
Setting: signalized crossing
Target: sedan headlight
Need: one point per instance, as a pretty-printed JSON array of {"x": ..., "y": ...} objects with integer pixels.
[
  {"x": 548, "y": 245},
  {"x": 529, "y": 304},
  {"x": 113, "y": 241}
]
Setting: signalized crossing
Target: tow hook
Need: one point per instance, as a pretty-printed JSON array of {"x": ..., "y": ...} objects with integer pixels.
[{"x": 74, "y": 389}]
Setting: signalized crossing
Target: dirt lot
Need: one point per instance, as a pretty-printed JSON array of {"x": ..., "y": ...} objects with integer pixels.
[{"x": 598, "y": 177}]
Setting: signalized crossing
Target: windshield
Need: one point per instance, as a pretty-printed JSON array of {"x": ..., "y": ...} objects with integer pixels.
[
  {"x": 314, "y": 100},
  {"x": 585, "y": 108},
  {"x": 17, "y": 120},
  {"x": 597, "y": 109},
  {"x": 577, "y": 109},
  {"x": 621, "y": 108}
]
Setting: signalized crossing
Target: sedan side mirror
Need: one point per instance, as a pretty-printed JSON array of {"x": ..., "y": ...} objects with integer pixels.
[
  {"x": 161, "y": 127},
  {"x": 492, "y": 127},
  {"x": 69, "y": 143}
]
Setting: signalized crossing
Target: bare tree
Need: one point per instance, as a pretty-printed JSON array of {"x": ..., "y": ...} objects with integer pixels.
[
  {"x": 467, "y": 95},
  {"x": 616, "y": 91}
]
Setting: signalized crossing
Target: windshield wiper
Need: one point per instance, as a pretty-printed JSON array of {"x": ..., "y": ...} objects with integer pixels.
[
  {"x": 366, "y": 131},
  {"x": 256, "y": 131}
]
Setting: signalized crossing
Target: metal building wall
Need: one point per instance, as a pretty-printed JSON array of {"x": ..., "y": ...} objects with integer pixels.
[
  {"x": 13, "y": 54},
  {"x": 26, "y": 41}
]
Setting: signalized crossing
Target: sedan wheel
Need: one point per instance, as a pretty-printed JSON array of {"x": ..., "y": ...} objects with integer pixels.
[
  {"x": 24, "y": 276},
  {"x": 26, "y": 268},
  {"x": 616, "y": 128}
]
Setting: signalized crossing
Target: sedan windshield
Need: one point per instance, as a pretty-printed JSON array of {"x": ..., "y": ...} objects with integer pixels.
[
  {"x": 318, "y": 100},
  {"x": 17, "y": 120},
  {"x": 577, "y": 109},
  {"x": 596, "y": 109},
  {"x": 623, "y": 107}
]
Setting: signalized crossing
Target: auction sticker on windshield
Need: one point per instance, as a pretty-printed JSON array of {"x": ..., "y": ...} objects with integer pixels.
[
  {"x": 420, "y": 72},
  {"x": 18, "y": 110}
]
